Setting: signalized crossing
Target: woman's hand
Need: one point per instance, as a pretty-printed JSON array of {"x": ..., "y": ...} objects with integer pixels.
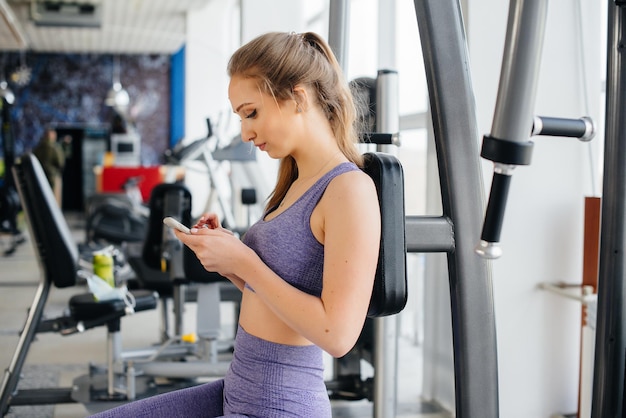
[{"x": 217, "y": 248}]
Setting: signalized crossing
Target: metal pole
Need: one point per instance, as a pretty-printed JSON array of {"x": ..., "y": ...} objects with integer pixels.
[
  {"x": 509, "y": 143},
  {"x": 610, "y": 362},
  {"x": 515, "y": 104},
  {"x": 387, "y": 107},
  {"x": 338, "y": 30},
  {"x": 386, "y": 328},
  {"x": 455, "y": 129}
]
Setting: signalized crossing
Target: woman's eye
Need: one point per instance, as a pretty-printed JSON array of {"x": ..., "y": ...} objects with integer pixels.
[{"x": 251, "y": 114}]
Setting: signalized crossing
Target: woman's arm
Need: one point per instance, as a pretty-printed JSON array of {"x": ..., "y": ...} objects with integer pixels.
[{"x": 237, "y": 281}]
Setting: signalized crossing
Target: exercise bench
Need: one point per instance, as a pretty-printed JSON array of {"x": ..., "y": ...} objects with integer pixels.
[
  {"x": 172, "y": 269},
  {"x": 58, "y": 257}
]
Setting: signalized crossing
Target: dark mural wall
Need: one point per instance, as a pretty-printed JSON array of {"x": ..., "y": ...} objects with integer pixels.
[{"x": 69, "y": 90}]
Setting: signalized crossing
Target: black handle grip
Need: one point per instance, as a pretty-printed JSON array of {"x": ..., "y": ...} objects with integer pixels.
[
  {"x": 494, "y": 216},
  {"x": 379, "y": 138},
  {"x": 582, "y": 128}
]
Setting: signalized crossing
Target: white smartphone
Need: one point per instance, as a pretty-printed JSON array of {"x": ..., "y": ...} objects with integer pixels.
[{"x": 173, "y": 223}]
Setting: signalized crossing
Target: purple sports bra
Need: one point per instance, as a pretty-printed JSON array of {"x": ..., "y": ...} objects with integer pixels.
[{"x": 287, "y": 244}]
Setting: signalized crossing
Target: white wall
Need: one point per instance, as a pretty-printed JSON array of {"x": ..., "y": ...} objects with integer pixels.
[
  {"x": 539, "y": 332},
  {"x": 283, "y": 16},
  {"x": 213, "y": 35}
]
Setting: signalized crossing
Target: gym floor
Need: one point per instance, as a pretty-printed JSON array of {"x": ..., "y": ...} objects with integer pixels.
[{"x": 55, "y": 360}]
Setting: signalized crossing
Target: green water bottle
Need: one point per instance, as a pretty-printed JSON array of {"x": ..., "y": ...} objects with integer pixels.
[{"x": 103, "y": 266}]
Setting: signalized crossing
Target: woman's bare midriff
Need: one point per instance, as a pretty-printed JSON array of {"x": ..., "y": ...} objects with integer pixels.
[{"x": 258, "y": 320}]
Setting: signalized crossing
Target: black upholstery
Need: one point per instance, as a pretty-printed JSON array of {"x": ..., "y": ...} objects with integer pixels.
[
  {"x": 195, "y": 271},
  {"x": 112, "y": 218},
  {"x": 389, "y": 295},
  {"x": 166, "y": 199},
  {"x": 150, "y": 278},
  {"x": 82, "y": 305},
  {"x": 172, "y": 199},
  {"x": 54, "y": 245}
]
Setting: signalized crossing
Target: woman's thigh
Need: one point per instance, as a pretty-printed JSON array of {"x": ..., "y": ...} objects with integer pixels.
[{"x": 205, "y": 400}]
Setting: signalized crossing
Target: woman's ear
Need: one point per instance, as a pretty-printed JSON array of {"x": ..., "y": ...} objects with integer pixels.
[{"x": 301, "y": 97}]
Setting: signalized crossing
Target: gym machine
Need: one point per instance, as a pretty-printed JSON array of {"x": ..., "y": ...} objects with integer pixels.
[{"x": 457, "y": 230}]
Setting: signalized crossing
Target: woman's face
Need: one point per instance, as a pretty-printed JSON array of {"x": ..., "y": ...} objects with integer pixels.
[{"x": 269, "y": 125}]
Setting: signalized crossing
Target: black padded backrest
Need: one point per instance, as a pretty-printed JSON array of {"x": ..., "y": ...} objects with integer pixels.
[
  {"x": 389, "y": 295},
  {"x": 172, "y": 199},
  {"x": 166, "y": 199},
  {"x": 53, "y": 241}
]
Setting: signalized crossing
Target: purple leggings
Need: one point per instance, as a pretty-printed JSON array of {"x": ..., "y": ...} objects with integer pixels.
[
  {"x": 198, "y": 401},
  {"x": 265, "y": 380}
]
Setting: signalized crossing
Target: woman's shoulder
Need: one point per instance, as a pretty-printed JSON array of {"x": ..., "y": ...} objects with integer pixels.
[
  {"x": 349, "y": 194},
  {"x": 352, "y": 184}
]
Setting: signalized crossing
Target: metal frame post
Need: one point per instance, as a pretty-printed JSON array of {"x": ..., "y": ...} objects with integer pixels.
[
  {"x": 338, "y": 30},
  {"x": 455, "y": 128},
  {"x": 386, "y": 328},
  {"x": 610, "y": 361}
]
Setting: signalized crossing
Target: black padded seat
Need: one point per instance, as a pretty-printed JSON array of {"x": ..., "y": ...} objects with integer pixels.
[
  {"x": 83, "y": 307},
  {"x": 151, "y": 278}
]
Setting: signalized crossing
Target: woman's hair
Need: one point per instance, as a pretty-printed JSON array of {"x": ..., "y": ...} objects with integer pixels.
[{"x": 280, "y": 61}]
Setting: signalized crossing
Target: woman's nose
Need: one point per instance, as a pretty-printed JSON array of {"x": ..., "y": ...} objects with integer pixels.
[{"x": 247, "y": 135}]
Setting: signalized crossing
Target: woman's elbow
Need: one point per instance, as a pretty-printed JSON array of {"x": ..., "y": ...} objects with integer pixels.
[{"x": 339, "y": 347}]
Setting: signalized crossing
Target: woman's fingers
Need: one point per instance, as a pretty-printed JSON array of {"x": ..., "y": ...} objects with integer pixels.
[{"x": 208, "y": 220}]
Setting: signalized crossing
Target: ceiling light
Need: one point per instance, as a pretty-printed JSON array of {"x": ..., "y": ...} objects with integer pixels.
[
  {"x": 117, "y": 97},
  {"x": 22, "y": 75}
]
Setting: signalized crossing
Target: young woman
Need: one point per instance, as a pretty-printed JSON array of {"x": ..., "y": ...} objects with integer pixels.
[{"x": 306, "y": 268}]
